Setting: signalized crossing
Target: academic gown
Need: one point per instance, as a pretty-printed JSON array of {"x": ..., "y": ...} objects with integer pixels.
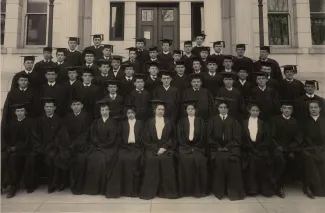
[
  {"x": 291, "y": 90},
  {"x": 34, "y": 80},
  {"x": 212, "y": 83},
  {"x": 172, "y": 97},
  {"x": 115, "y": 105},
  {"x": 244, "y": 62},
  {"x": 39, "y": 69},
  {"x": 17, "y": 134},
  {"x": 192, "y": 159},
  {"x": 275, "y": 72},
  {"x": 273, "y": 83},
  {"x": 205, "y": 105},
  {"x": 159, "y": 176},
  {"x": 181, "y": 82},
  {"x": 268, "y": 102},
  {"x": 196, "y": 50},
  {"x": 101, "y": 156},
  {"x": 245, "y": 89},
  {"x": 125, "y": 179},
  {"x": 141, "y": 101},
  {"x": 90, "y": 95},
  {"x": 142, "y": 57},
  {"x": 150, "y": 85},
  {"x": 226, "y": 171},
  {"x": 313, "y": 155},
  {"x": 116, "y": 76},
  {"x": 136, "y": 64},
  {"x": 166, "y": 61},
  {"x": 94, "y": 67},
  {"x": 63, "y": 72},
  {"x": 256, "y": 162},
  {"x": 301, "y": 109},
  {"x": 68, "y": 89},
  {"x": 126, "y": 87},
  {"x": 146, "y": 66},
  {"x": 97, "y": 50},
  {"x": 74, "y": 58},
  {"x": 100, "y": 82},
  {"x": 219, "y": 59},
  {"x": 188, "y": 63}
]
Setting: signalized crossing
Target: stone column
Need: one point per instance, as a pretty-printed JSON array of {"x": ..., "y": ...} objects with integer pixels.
[
  {"x": 101, "y": 18},
  {"x": 185, "y": 22},
  {"x": 302, "y": 25},
  {"x": 70, "y": 23},
  {"x": 129, "y": 25},
  {"x": 13, "y": 25},
  {"x": 213, "y": 24}
]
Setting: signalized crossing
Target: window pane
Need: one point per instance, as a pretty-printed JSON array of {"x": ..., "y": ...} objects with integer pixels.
[
  {"x": 278, "y": 29},
  {"x": 317, "y": 5},
  {"x": 147, "y": 15},
  {"x": 167, "y": 15},
  {"x": 197, "y": 19},
  {"x": 36, "y": 30},
  {"x": 318, "y": 29},
  {"x": 3, "y": 18},
  {"x": 3, "y": 6},
  {"x": 277, "y": 5},
  {"x": 37, "y": 6},
  {"x": 117, "y": 22}
]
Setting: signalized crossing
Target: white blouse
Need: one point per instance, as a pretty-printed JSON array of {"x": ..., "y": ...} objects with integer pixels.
[
  {"x": 160, "y": 124},
  {"x": 131, "y": 138},
  {"x": 253, "y": 128},
  {"x": 191, "y": 121}
]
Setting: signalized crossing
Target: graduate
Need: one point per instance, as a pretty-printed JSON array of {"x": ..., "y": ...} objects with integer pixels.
[
  {"x": 107, "y": 52},
  {"x": 97, "y": 48},
  {"x": 62, "y": 65},
  {"x": 142, "y": 53},
  {"x": 169, "y": 94},
  {"x": 28, "y": 69},
  {"x": 236, "y": 106},
  {"x": 165, "y": 57},
  {"x": 50, "y": 141},
  {"x": 203, "y": 97},
  {"x": 104, "y": 68},
  {"x": 197, "y": 66},
  {"x": 264, "y": 57},
  {"x": 266, "y": 67},
  {"x": 187, "y": 56},
  {"x": 140, "y": 98},
  {"x": 199, "y": 43},
  {"x": 243, "y": 84},
  {"x": 240, "y": 60},
  {"x": 224, "y": 139},
  {"x": 72, "y": 83},
  {"x": 153, "y": 53},
  {"x": 89, "y": 56},
  {"x": 46, "y": 62},
  {"x": 204, "y": 53},
  {"x": 115, "y": 100},
  {"x": 227, "y": 64},
  {"x": 159, "y": 173},
  {"x": 192, "y": 159},
  {"x": 117, "y": 72},
  {"x": 133, "y": 60},
  {"x": 217, "y": 55},
  {"x": 153, "y": 81},
  {"x": 15, "y": 144},
  {"x": 313, "y": 154},
  {"x": 212, "y": 80},
  {"x": 52, "y": 89},
  {"x": 177, "y": 55},
  {"x": 73, "y": 56},
  {"x": 287, "y": 139},
  {"x": 101, "y": 152},
  {"x": 125, "y": 179},
  {"x": 180, "y": 80},
  {"x": 266, "y": 98},
  {"x": 290, "y": 88},
  {"x": 127, "y": 84},
  {"x": 89, "y": 92},
  {"x": 256, "y": 146}
]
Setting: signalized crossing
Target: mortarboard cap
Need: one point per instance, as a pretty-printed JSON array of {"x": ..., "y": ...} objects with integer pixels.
[
  {"x": 108, "y": 46},
  {"x": 168, "y": 41},
  {"x": 242, "y": 69},
  {"x": 112, "y": 82},
  {"x": 29, "y": 58},
  {"x": 103, "y": 102},
  {"x": 180, "y": 62},
  {"x": 103, "y": 61},
  {"x": 22, "y": 75},
  {"x": 313, "y": 83},
  {"x": 125, "y": 65},
  {"x": 117, "y": 58},
  {"x": 266, "y": 64},
  {"x": 251, "y": 103},
  {"x": 222, "y": 43},
  {"x": 286, "y": 102},
  {"x": 267, "y": 48},
  {"x": 129, "y": 106},
  {"x": 260, "y": 74},
  {"x": 202, "y": 34},
  {"x": 195, "y": 76},
  {"x": 228, "y": 75},
  {"x": 61, "y": 50},
  {"x": 290, "y": 67},
  {"x": 76, "y": 99},
  {"x": 48, "y": 100},
  {"x": 76, "y": 39},
  {"x": 47, "y": 49},
  {"x": 87, "y": 70},
  {"x": 88, "y": 51},
  {"x": 314, "y": 99},
  {"x": 153, "y": 48},
  {"x": 19, "y": 105},
  {"x": 101, "y": 36},
  {"x": 51, "y": 69},
  {"x": 188, "y": 43},
  {"x": 228, "y": 57},
  {"x": 165, "y": 72},
  {"x": 211, "y": 60},
  {"x": 140, "y": 40},
  {"x": 196, "y": 58},
  {"x": 131, "y": 49},
  {"x": 152, "y": 63},
  {"x": 140, "y": 76},
  {"x": 241, "y": 46},
  {"x": 204, "y": 49},
  {"x": 178, "y": 52},
  {"x": 158, "y": 102},
  {"x": 223, "y": 100},
  {"x": 72, "y": 68},
  {"x": 190, "y": 102}
]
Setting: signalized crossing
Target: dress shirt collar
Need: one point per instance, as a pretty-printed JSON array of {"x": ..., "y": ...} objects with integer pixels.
[
  {"x": 289, "y": 80},
  {"x": 132, "y": 121},
  {"x": 253, "y": 119},
  {"x": 112, "y": 95},
  {"x": 242, "y": 82},
  {"x": 87, "y": 85},
  {"x": 225, "y": 116},
  {"x": 188, "y": 55},
  {"x": 262, "y": 88},
  {"x": 46, "y": 61},
  {"x": 106, "y": 57},
  {"x": 228, "y": 70},
  {"x": 51, "y": 84},
  {"x": 153, "y": 77},
  {"x": 165, "y": 52},
  {"x": 89, "y": 65},
  {"x": 139, "y": 90},
  {"x": 72, "y": 82},
  {"x": 287, "y": 118},
  {"x": 72, "y": 51},
  {"x": 166, "y": 88},
  {"x": 315, "y": 117},
  {"x": 196, "y": 89},
  {"x": 197, "y": 71},
  {"x": 60, "y": 62},
  {"x": 180, "y": 75},
  {"x": 104, "y": 75},
  {"x": 310, "y": 96},
  {"x": 23, "y": 89},
  {"x": 212, "y": 73},
  {"x": 96, "y": 47},
  {"x": 191, "y": 117},
  {"x": 160, "y": 119},
  {"x": 105, "y": 119},
  {"x": 229, "y": 89},
  {"x": 153, "y": 59},
  {"x": 128, "y": 78},
  {"x": 116, "y": 70},
  {"x": 28, "y": 72},
  {"x": 263, "y": 59},
  {"x": 21, "y": 119},
  {"x": 76, "y": 114},
  {"x": 49, "y": 116}
]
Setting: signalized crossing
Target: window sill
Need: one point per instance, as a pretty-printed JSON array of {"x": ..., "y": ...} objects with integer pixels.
[
  {"x": 3, "y": 50},
  {"x": 317, "y": 50},
  {"x": 27, "y": 50},
  {"x": 286, "y": 50}
]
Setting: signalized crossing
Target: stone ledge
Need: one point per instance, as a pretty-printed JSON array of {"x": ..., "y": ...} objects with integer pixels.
[
  {"x": 3, "y": 50},
  {"x": 286, "y": 50},
  {"x": 317, "y": 50}
]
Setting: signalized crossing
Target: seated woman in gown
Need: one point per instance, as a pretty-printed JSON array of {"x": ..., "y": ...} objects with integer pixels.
[
  {"x": 192, "y": 159},
  {"x": 159, "y": 176}
]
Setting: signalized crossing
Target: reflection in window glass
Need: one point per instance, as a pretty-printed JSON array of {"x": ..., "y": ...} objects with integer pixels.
[
  {"x": 317, "y": 21},
  {"x": 167, "y": 15},
  {"x": 147, "y": 15},
  {"x": 197, "y": 19},
  {"x": 117, "y": 21},
  {"x": 3, "y": 20},
  {"x": 36, "y": 29}
]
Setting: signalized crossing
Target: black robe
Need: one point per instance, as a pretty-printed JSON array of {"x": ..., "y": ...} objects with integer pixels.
[
  {"x": 90, "y": 95},
  {"x": 141, "y": 101},
  {"x": 236, "y": 106},
  {"x": 172, "y": 97},
  {"x": 125, "y": 179},
  {"x": 74, "y": 58},
  {"x": 196, "y": 50},
  {"x": 34, "y": 80},
  {"x": 273, "y": 83},
  {"x": 301, "y": 109},
  {"x": 142, "y": 57},
  {"x": 275, "y": 72},
  {"x": 63, "y": 72},
  {"x": 145, "y": 69},
  {"x": 126, "y": 87},
  {"x": 192, "y": 159},
  {"x": 181, "y": 82},
  {"x": 39, "y": 69},
  {"x": 150, "y": 85},
  {"x": 188, "y": 63},
  {"x": 219, "y": 59},
  {"x": 136, "y": 65},
  {"x": 244, "y": 89},
  {"x": 313, "y": 155},
  {"x": 100, "y": 82},
  {"x": 166, "y": 60},
  {"x": 98, "y": 51},
  {"x": 291, "y": 90},
  {"x": 212, "y": 83},
  {"x": 101, "y": 156},
  {"x": 119, "y": 75},
  {"x": 256, "y": 161},
  {"x": 244, "y": 62},
  {"x": 94, "y": 67},
  {"x": 226, "y": 171},
  {"x": 205, "y": 105},
  {"x": 159, "y": 176},
  {"x": 115, "y": 106}
]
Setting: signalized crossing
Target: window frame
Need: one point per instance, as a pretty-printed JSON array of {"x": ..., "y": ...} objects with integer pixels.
[
  {"x": 5, "y": 14},
  {"x": 291, "y": 24},
  {"x": 195, "y": 4},
  {"x": 311, "y": 33},
  {"x": 116, "y": 4},
  {"x": 25, "y": 22}
]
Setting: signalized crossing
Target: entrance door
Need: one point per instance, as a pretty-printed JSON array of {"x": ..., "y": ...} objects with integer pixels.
[{"x": 158, "y": 22}]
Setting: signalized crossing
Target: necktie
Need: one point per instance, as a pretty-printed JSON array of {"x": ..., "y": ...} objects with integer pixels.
[
  {"x": 223, "y": 118},
  {"x": 139, "y": 91},
  {"x": 88, "y": 66}
]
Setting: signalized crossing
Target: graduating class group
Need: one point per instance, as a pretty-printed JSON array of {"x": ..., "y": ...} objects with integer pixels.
[{"x": 162, "y": 124}]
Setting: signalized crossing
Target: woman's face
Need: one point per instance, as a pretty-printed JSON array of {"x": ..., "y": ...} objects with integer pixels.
[
  {"x": 160, "y": 111},
  {"x": 190, "y": 109},
  {"x": 254, "y": 111}
]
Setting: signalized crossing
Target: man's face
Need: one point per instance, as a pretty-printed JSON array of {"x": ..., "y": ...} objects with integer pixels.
[
  {"x": 72, "y": 75},
  {"x": 116, "y": 64},
  {"x": 160, "y": 111},
  {"x": 87, "y": 78},
  {"x": 60, "y": 57},
  {"x": 197, "y": 65},
  {"x": 47, "y": 55},
  {"x": 132, "y": 55},
  {"x": 177, "y": 57},
  {"x": 254, "y": 111},
  {"x": 50, "y": 76},
  {"x": 107, "y": 52},
  {"x": 188, "y": 48},
  {"x": 310, "y": 89},
  {"x": 112, "y": 89},
  {"x": 49, "y": 108},
  {"x": 89, "y": 58},
  {"x": 166, "y": 79},
  {"x": 165, "y": 47},
  {"x": 212, "y": 67},
  {"x": 20, "y": 113},
  {"x": 199, "y": 40},
  {"x": 266, "y": 69},
  {"x": 72, "y": 45},
  {"x": 264, "y": 54},
  {"x": 190, "y": 109},
  {"x": 314, "y": 109},
  {"x": 289, "y": 74},
  {"x": 104, "y": 111},
  {"x": 153, "y": 54},
  {"x": 104, "y": 68},
  {"x": 153, "y": 70},
  {"x": 180, "y": 69},
  {"x": 97, "y": 41},
  {"x": 240, "y": 51},
  {"x": 140, "y": 45},
  {"x": 227, "y": 63},
  {"x": 228, "y": 82},
  {"x": 286, "y": 110},
  {"x": 129, "y": 71},
  {"x": 139, "y": 84},
  {"x": 77, "y": 107},
  {"x": 204, "y": 54},
  {"x": 130, "y": 114},
  {"x": 223, "y": 109},
  {"x": 196, "y": 83},
  {"x": 217, "y": 48},
  {"x": 29, "y": 65},
  {"x": 261, "y": 81},
  {"x": 242, "y": 74},
  {"x": 23, "y": 82}
]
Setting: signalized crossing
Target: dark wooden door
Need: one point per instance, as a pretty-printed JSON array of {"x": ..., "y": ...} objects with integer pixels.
[{"x": 158, "y": 22}]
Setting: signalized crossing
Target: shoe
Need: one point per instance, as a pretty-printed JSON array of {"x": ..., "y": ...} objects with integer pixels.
[
  {"x": 280, "y": 192},
  {"x": 308, "y": 192},
  {"x": 12, "y": 192},
  {"x": 61, "y": 187},
  {"x": 51, "y": 189},
  {"x": 29, "y": 191}
]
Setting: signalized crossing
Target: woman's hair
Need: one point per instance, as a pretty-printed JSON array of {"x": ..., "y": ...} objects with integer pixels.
[{"x": 250, "y": 105}]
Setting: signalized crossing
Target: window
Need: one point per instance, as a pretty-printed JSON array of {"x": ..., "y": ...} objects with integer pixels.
[
  {"x": 197, "y": 19},
  {"x": 317, "y": 19},
  {"x": 278, "y": 22},
  {"x": 36, "y": 23},
  {"x": 117, "y": 21},
  {"x": 3, "y": 20}
]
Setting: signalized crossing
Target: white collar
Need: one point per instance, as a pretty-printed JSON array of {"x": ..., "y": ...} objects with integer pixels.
[
  {"x": 105, "y": 119},
  {"x": 196, "y": 89},
  {"x": 221, "y": 116},
  {"x": 153, "y": 59},
  {"x": 228, "y": 89},
  {"x": 89, "y": 64},
  {"x": 315, "y": 117},
  {"x": 77, "y": 113},
  {"x": 153, "y": 77},
  {"x": 165, "y": 52},
  {"x": 139, "y": 90},
  {"x": 46, "y": 61},
  {"x": 96, "y": 47},
  {"x": 253, "y": 119},
  {"x": 104, "y": 75},
  {"x": 23, "y": 89},
  {"x": 87, "y": 85},
  {"x": 71, "y": 82},
  {"x": 159, "y": 118},
  {"x": 188, "y": 55},
  {"x": 264, "y": 59},
  {"x": 166, "y": 88},
  {"x": 21, "y": 119},
  {"x": 50, "y": 116},
  {"x": 191, "y": 117},
  {"x": 106, "y": 57},
  {"x": 60, "y": 62},
  {"x": 262, "y": 88},
  {"x": 180, "y": 75},
  {"x": 113, "y": 95},
  {"x": 212, "y": 74},
  {"x": 287, "y": 118},
  {"x": 132, "y": 121},
  {"x": 289, "y": 80},
  {"x": 240, "y": 57},
  {"x": 51, "y": 84},
  {"x": 242, "y": 82},
  {"x": 128, "y": 78},
  {"x": 229, "y": 70},
  {"x": 310, "y": 96},
  {"x": 28, "y": 72},
  {"x": 197, "y": 72},
  {"x": 116, "y": 70},
  {"x": 72, "y": 51}
]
